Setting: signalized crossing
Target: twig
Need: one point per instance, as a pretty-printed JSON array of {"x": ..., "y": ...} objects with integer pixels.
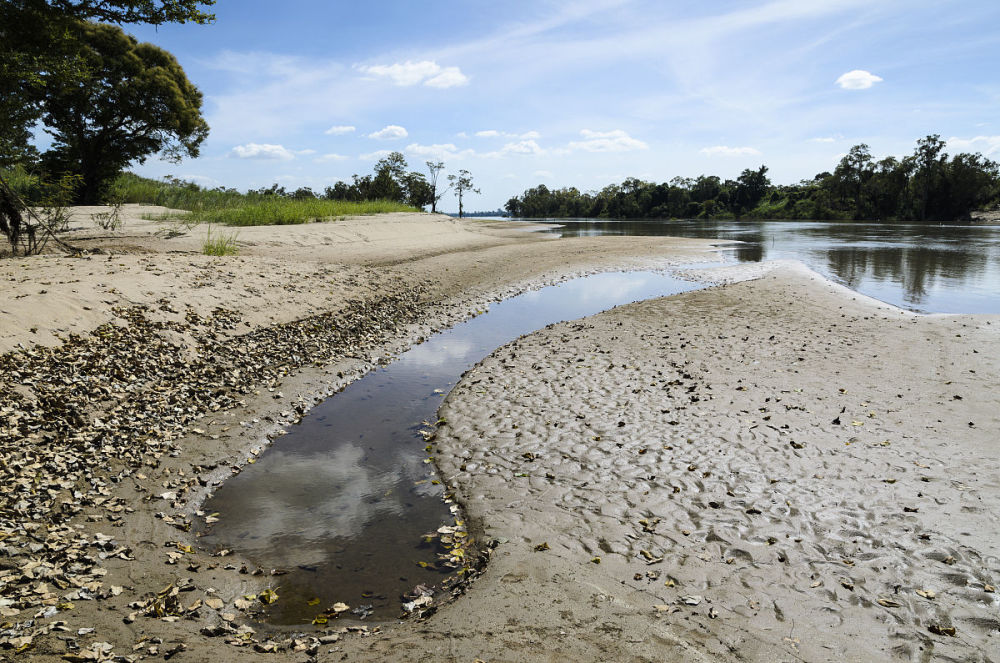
[{"x": 69, "y": 248}]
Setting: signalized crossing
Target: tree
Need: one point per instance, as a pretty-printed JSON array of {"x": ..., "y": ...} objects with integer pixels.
[
  {"x": 462, "y": 184},
  {"x": 417, "y": 190},
  {"x": 39, "y": 42},
  {"x": 435, "y": 169},
  {"x": 132, "y": 101},
  {"x": 750, "y": 188},
  {"x": 852, "y": 175}
]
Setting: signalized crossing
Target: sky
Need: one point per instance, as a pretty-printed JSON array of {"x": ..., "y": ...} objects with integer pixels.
[{"x": 579, "y": 93}]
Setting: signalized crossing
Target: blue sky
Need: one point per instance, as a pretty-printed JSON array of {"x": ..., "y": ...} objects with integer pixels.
[{"x": 580, "y": 93}]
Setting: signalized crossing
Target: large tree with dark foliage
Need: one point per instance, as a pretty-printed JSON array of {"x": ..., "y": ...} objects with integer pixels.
[
  {"x": 131, "y": 101},
  {"x": 40, "y": 44}
]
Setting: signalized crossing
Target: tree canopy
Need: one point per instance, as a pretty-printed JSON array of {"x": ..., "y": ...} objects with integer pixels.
[
  {"x": 390, "y": 181},
  {"x": 926, "y": 186},
  {"x": 40, "y": 43},
  {"x": 131, "y": 100}
]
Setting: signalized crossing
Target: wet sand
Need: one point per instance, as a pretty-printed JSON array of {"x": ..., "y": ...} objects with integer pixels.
[{"x": 775, "y": 469}]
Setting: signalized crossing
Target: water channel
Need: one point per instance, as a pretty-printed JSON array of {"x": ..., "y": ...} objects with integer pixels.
[{"x": 342, "y": 501}]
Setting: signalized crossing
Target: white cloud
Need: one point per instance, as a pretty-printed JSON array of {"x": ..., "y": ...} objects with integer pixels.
[
  {"x": 390, "y": 132},
  {"x": 521, "y": 147},
  {"x": 858, "y": 79},
  {"x": 823, "y": 140},
  {"x": 607, "y": 141},
  {"x": 493, "y": 133},
  {"x": 374, "y": 156},
  {"x": 988, "y": 145},
  {"x": 449, "y": 77},
  {"x": 339, "y": 130},
  {"x": 409, "y": 73},
  {"x": 305, "y": 152},
  {"x": 439, "y": 151},
  {"x": 726, "y": 151},
  {"x": 330, "y": 157},
  {"x": 262, "y": 151}
]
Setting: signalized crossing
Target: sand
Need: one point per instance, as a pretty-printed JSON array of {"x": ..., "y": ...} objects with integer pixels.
[{"x": 738, "y": 473}]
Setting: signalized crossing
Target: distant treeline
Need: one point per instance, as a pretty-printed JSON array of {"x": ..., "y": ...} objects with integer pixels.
[{"x": 925, "y": 186}]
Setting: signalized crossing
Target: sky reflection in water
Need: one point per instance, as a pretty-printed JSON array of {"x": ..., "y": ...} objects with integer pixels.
[{"x": 342, "y": 501}]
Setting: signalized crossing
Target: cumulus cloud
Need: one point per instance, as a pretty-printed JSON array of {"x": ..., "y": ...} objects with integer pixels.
[
  {"x": 439, "y": 151},
  {"x": 330, "y": 157},
  {"x": 988, "y": 145},
  {"x": 339, "y": 130},
  {"x": 493, "y": 133},
  {"x": 390, "y": 132},
  {"x": 726, "y": 151},
  {"x": 519, "y": 148},
  {"x": 607, "y": 141},
  {"x": 262, "y": 151},
  {"x": 373, "y": 156},
  {"x": 426, "y": 72},
  {"x": 858, "y": 79}
]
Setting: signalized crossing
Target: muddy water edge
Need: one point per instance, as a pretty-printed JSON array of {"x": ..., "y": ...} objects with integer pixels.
[{"x": 346, "y": 509}]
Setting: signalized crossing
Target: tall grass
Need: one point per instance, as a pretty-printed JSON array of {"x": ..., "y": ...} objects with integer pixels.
[{"x": 230, "y": 207}]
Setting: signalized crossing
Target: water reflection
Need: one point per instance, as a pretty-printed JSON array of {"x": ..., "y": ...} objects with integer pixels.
[
  {"x": 945, "y": 269},
  {"x": 342, "y": 501}
]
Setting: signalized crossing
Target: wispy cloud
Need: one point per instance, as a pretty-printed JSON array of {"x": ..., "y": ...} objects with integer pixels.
[
  {"x": 426, "y": 72},
  {"x": 373, "y": 156},
  {"x": 858, "y": 79},
  {"x": 439, "y": 151},
  {"x": 607, "y": 141},
  {"x": 521, "y": 148},
  {"x": 493, "y": 133},
  {"x": 262, "y": 151},
  {"x": 390, "y": 132},
  {"x": 824, "y": 139},
  {"x": 988, "y": 145},
  {"x": 339, "y": 130},
  {"x": 326, "y": 158},
  {"x": 726, "y": 151}
]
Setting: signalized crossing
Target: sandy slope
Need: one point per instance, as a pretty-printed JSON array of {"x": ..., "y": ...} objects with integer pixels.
[
  {"x": 698, "y": 429},
  {"x": 765, "y": 471}
]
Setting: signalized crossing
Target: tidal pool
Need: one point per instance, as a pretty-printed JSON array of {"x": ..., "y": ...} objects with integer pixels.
[{"x": 342, "y": 502}]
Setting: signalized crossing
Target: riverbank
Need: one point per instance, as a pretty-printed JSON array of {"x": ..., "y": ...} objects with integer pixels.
[
  {"x": 140, "y": 375},
  {"x": 777, "y": 469}
]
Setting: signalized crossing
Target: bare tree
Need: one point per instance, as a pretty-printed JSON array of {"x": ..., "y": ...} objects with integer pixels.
[
  {"x": 462, "y": 183},
  {"x": 435, "y": 169}
]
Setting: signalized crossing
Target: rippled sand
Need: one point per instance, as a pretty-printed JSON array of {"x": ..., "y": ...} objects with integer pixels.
[{"x": 778, "y": 469}]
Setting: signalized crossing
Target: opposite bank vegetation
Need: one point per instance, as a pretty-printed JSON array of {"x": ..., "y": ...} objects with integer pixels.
[{"x": 926, "y": 186}]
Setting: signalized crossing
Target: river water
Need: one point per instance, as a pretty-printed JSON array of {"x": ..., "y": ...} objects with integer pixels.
[{"x": 923, "y": 268}]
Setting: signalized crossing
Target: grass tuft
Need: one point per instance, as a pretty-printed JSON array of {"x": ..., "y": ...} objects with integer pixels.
[{"x": 220, "y": 245}]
